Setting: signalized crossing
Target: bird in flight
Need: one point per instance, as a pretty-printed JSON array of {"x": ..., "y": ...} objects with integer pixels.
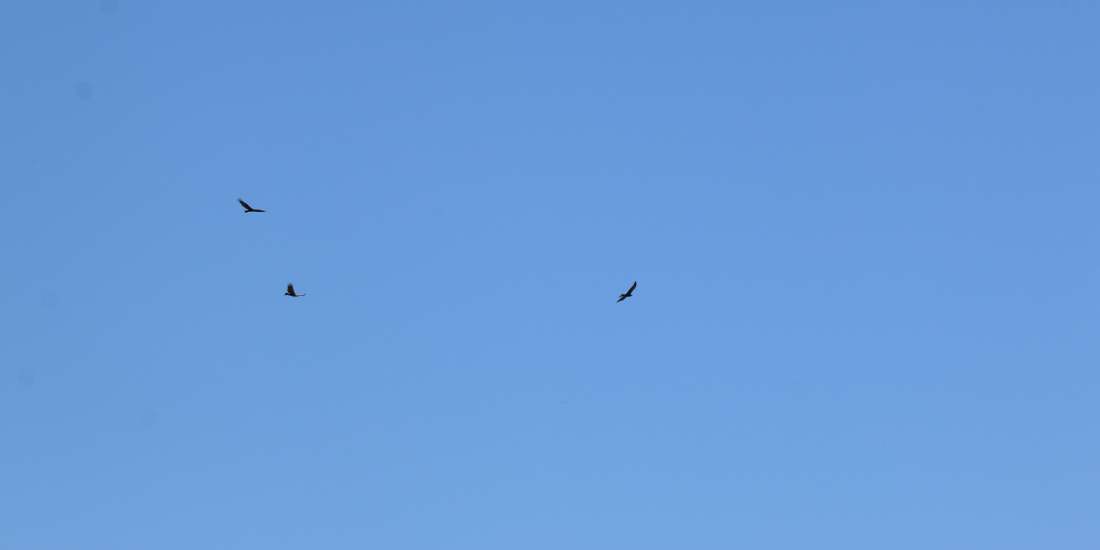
[
  {"x": 628, "y": 293},
  {"x": 290, "y": 291},
  {"x": 248, "y": 207}
]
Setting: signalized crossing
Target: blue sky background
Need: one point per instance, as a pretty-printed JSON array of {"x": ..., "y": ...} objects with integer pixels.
[{"x": 865, "y": 237}]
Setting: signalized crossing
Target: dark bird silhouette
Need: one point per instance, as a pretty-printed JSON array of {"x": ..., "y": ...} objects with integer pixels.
[
  {"x": 248, "y": 207},
  {"x": 628, "y": 293},
  {"x": 290, "y": 291}
]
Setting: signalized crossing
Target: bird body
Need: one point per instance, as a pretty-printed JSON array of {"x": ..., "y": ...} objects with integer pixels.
[
  {"x": 248, "y": 207},
  {"x": 628, "y": 293}
]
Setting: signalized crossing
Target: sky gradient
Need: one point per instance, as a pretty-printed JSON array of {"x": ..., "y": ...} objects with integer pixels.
[{"x": 863, "y": 232}]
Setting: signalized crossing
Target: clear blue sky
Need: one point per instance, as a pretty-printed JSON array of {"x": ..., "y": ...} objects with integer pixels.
[{"x": 865, "y": 235}]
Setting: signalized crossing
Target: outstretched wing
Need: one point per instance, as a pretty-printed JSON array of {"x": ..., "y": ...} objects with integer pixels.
[
  {"x": 632, "y": 287},
  {"x": 245, "y": 204},
  {"x": 290, "y": 289}
]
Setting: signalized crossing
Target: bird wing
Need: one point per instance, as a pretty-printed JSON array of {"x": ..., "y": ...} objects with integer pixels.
[
  {"x": 244, "y": 204},
  {"x": 290, "y": 288},
  {"x": 632, "y": 287}
]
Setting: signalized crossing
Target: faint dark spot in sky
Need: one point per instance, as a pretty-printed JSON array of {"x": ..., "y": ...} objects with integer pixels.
[
  {"x": 148, "y": 419},
  {"x": 48, "y": 299},
  {"x": 25, "y": 377},
  {"x": 108, "y": 7},
  {"x": 83, "y": 90}
]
